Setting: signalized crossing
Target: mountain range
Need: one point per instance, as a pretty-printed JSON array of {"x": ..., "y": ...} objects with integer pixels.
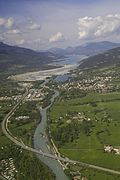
[
  {"x": 88, "y": 49},
  {"x": 21, "y": 59},
  {"x": 17, "y": 59}
]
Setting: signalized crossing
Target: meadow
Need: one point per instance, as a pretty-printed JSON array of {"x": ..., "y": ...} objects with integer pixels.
[{"x": 103, "y": 128}]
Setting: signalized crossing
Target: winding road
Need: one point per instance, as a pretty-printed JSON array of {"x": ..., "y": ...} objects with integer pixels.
[{"x": 23, "y": 146}]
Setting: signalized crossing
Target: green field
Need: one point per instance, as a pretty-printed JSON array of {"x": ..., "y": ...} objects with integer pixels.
[
  {"x": 24, "y": 129},
  {"x": 104, "y": 124},
  {"x": 83, "y": 122},
  {"x": 90, "y": 174}
]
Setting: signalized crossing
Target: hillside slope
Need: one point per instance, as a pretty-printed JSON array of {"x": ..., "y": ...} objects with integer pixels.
[
  {"x": 13, "y": 58},
  {"x": 110, "y": 57}
]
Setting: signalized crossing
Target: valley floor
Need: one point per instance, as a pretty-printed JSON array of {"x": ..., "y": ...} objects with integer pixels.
[{"x": 84, "y": 120}]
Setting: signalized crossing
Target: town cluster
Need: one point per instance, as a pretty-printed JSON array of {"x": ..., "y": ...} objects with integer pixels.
[
  {"x": 9, "y": 168},
  {"x": 101, "y": 83}
]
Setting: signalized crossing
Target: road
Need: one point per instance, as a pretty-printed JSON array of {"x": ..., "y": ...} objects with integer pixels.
[{"x": 23, "y": 146}]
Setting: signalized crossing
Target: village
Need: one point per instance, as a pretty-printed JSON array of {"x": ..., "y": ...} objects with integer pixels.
[
  {"x": 9, "y": 168},
  {"x": 97, "y": 82}
]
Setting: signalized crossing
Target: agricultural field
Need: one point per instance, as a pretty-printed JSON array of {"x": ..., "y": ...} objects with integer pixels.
[
  {"x": 84, "y": 125},
  {"x": 88, "y": 173}
]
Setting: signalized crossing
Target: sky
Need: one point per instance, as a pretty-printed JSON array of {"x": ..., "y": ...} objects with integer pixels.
[{"x": 44, "y": 24}]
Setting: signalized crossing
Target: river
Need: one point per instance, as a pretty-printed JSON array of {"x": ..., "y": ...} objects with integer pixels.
[{"x": 41, "y": 142}]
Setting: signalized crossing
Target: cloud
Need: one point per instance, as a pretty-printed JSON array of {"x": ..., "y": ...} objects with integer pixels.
[
  {"x": 100, "y": 26},
  {"x": 2, "y": 21},
  {"x": 13, "y": 31},
  {"x": 57, "y": 37},
  {"x": 6, "y": 23},
  {"x": 1, "y": 38},
  {"x": 37, "y": 40},
  {"x": 35, "y": 27},
  {"x": 9, "y": 22},
  {"x": 20, "y": 42},
  {"x": 34, "y": 41}
]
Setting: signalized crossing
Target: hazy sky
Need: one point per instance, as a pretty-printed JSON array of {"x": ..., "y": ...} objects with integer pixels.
[{"x": 42, "y": 24}]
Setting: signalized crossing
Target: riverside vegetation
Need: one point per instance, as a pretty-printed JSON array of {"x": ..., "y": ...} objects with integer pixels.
[{"x": 16, "y": 163}]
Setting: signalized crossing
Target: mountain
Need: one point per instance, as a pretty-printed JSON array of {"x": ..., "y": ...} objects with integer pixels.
[
  {"x": 110, "y": 57},
  {"x": 88, "y": 49},
  {"x": 13, "y": 58},
  {"x": 17, "y": 59},
  {"x": 57, "y": 50}
]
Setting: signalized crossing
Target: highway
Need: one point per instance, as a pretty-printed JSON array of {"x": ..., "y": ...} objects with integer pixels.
[{"x": 23, "y": 146}]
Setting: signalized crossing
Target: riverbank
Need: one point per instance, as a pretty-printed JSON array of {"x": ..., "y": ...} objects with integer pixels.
[
  {"x": 42, "y": 75},
  {"x": 41, "y": 142}
]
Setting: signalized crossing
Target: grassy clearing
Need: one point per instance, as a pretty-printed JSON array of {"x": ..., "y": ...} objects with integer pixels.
[
  {"x": 105, "y": 126},
  {"x": 91, "y": 174}
]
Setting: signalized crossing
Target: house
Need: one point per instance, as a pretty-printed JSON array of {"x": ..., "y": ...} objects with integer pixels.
[{"x": 108, "y": 148}]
